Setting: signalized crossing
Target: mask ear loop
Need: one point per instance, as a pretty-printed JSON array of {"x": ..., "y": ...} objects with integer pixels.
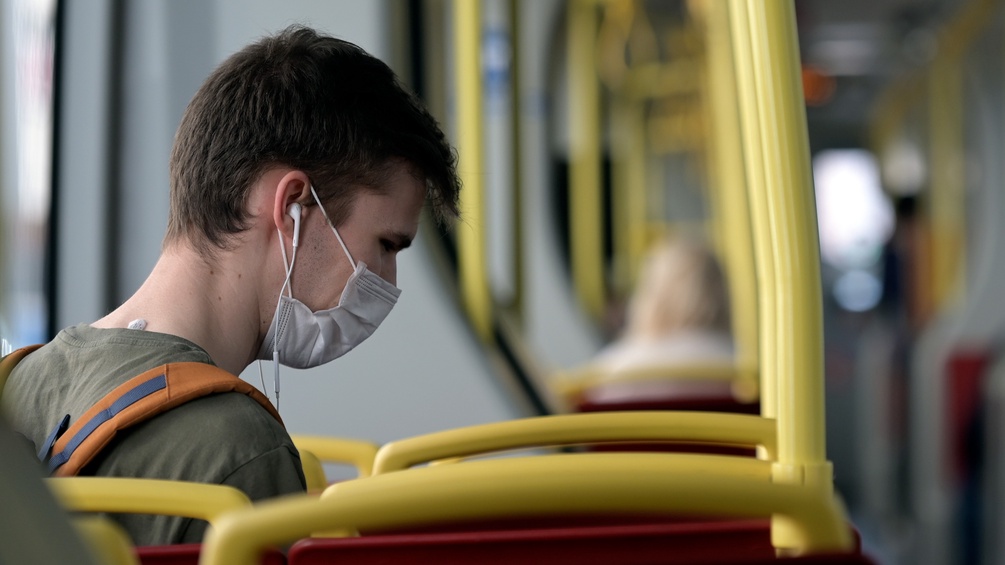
[
  {"x": 287, "y": 285},
  {"x": 332, "y": 226}
]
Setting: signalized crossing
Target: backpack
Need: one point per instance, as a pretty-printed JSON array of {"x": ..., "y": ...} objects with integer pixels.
[{"x": 70, "y": 447}]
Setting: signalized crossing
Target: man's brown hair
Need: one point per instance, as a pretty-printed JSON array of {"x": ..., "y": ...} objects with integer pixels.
[{"x": 308, "y": 101}]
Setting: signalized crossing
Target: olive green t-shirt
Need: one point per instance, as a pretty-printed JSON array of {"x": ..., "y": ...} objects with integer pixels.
[{"x": 225, "y": 438}]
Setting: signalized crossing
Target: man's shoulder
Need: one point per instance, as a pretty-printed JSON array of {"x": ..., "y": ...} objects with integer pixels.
[
  {"x": 84, "y": 369},
  {"x": 228, "y": 416},
  {"x": 83, "y": 354},
  {"x": 205, "y": 439}
]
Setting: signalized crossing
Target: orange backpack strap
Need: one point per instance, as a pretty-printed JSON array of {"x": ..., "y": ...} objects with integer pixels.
[
  {"x": 11, "y": 360},
  {"x": 137, "y": 400}
]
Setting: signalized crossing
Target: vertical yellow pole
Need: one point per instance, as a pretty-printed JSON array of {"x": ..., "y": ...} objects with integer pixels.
[
  {"x": 620, "y": 188},
  {"x": 948, "y": 179},
  {"x": 757, "y": 193},
  {"x": 946, "y": 207},
  {"x": 629, "y": 189},
  {"x": 471, "y": 244},
  {"x": 516, "y": 128},
  {"x": 792, "y": 214},
  {"x": 728, "y": 187},
  {"x": 585, "y": 217},
  {"x": 889, "y": 113},
  {"x": 785, "y": 216},
  {"x": 638, "y": 203},
  {"x": 948, "y": 157}
]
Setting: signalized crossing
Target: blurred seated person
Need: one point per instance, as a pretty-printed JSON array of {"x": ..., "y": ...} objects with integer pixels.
[{"x": 677, "y": 333}]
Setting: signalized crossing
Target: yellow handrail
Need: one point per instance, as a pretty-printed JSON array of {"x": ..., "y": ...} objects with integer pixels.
[
  {"x": 147, "y": 496},
  {"x": 516, "y": 158},
  {"x": 354, "y": 452},
  {"x": 658, "y": 80},
  {"x": 106, "y": 540},
  {"x": 621, "y": 23},
  {"x": 729, "y": 188},
  {"x": 945, "y": 207},
  {"x": 622, "y": 484},
  {"x": 948, "y": 178},
  {"x": 785, "y": 231},
  {"x": 314, "y": 471},
  {"x": 471, "y": 242},
  {"x": 585, "y": 217},
  {"x": 792, "y": 232},
  {"x": 947, "y": 204},
  {"x": 628, "y": 183},
  {"x": 577, "y": 381},
  {"x": 628, "y": 145},
  {"x": 756, "y": 191},
  {"x": 569, "y": 429},
  {"x": 889, "y": 113}
]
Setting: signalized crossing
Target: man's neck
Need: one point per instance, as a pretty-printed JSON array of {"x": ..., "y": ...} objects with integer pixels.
[{"x": 213, "y": 305}]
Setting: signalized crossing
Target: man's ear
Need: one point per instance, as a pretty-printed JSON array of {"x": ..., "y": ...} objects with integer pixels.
[{"x": 293, "y": 188}]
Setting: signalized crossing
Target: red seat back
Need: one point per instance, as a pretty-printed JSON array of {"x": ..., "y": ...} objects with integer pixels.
[
  {"x": 685, "y": 395},
  {"x": 635, "y": 544},
  {"x": 707, "y": 397},
  {"x": 188, "y": 554},
  {"x": 741, "y": 542}
]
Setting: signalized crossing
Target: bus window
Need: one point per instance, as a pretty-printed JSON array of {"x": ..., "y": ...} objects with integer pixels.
[{"x": 28, "y": 34}]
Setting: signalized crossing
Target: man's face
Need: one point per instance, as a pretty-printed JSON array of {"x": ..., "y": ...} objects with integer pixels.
[{"x": 377, "y": 228}]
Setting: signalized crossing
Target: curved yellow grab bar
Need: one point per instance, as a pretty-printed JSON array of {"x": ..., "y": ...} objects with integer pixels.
[
  {"x": 355, "y": 452},
  {"x": 106, "y": 540},
  {"x": 314, "y": 472},
  {"x": 567, "y": 429},
  {"x": 147, "y": 496},
  {"x": 743, "y": 381},
  {"x": 549, "y": 485}
]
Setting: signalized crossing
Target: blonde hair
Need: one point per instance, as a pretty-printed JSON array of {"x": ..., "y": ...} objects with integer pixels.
[{"x": 681, "y": 286}]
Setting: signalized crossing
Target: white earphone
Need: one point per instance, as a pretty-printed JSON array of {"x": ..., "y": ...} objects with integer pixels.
[{"x": 294, "y": 213}]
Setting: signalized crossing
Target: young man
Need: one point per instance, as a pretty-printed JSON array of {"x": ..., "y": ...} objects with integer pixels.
[{"x": 298, "y": 173}]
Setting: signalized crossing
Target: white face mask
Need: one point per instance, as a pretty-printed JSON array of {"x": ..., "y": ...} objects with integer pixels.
[{"x": 306, "y": 339}]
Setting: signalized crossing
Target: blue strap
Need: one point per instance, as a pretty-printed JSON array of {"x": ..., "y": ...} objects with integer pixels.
[
  {"x": 57, "y": 432},
  {"x": 134, "y": 395}
]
